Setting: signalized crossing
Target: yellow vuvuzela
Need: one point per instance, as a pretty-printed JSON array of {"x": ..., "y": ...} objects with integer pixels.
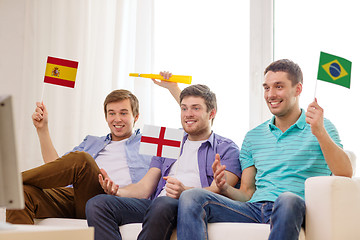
[{"x": 173, "y": 78}]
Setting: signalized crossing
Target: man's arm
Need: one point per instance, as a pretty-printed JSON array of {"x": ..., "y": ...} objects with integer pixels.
[
  {"x": 247, "y": 186},
  {"x": 40, "y": 121},
  {"x": 142, "y": 189},
  {"x": 171, "y": 86},
  {"x": 337, "y": 160},
  {"x": 230, "y": 178}
]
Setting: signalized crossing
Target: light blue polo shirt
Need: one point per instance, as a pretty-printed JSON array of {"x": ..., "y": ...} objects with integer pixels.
[{"x": 284, "y": 160}]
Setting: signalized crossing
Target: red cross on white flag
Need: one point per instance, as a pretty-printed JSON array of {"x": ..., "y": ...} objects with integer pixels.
[{"x": 161, "y": 141}]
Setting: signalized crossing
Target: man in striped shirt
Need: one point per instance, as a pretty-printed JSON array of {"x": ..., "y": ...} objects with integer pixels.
[{"x": 276, "y": 158}]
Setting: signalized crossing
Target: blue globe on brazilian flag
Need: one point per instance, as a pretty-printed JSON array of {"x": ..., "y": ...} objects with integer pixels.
[{"x": 334, "y": 69}]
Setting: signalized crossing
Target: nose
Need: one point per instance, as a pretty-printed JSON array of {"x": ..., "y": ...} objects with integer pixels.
[
  {"x": 188, "y": 113},
  {"x": 118, "y": 118},
  {"x": 272, "y": 93}
]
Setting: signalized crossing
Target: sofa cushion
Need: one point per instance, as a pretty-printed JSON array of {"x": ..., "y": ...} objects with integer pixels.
[{"x": 217, "y": 231}]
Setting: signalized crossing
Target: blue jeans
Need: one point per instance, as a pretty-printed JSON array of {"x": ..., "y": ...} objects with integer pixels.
[
  {"x": 106, "y": 213},
  {"x": 197, "y": 207}
]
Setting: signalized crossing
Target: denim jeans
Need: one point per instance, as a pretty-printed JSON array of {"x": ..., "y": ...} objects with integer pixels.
[
  {"x": 197, "y": 207},
  {"x": 106, "y": 213},
  {"x": 160, "y": 219}
]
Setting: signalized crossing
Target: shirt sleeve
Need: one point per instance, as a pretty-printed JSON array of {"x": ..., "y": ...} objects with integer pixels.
[
  {"x": 332, "y": 131},
  {"x": 229, "y": 155},
  {"x": 157, "y": 162},
  {"x": 246, "y": 159}
]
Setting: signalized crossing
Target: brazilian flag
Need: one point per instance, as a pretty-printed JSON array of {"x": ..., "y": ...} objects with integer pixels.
[{"x": 334, "y": 69}]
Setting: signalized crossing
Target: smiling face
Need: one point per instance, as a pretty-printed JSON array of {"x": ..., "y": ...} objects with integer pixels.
[
  {"x": 280, "y": 96},
  {"x": 195, "y": 118},
  {"x": 120, "y": 119}
]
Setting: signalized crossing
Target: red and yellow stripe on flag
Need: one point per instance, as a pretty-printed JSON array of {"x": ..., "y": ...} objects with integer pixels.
[{"x": 60, "y": 72}]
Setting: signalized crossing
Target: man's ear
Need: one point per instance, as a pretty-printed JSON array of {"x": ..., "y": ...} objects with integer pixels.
[
  {"x": 212, "y": 113},
  {"x": 136, "y": 118},
  {"x": 298, "y": 89}
]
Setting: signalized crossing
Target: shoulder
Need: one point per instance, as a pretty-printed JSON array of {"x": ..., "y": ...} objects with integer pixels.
[
  {"x": 224, "y": 145},
  {"x": 258, "y": 131},
  {"x": 328, "y": 123},
  {"x": 220, "y": 140},
  {"x": 330, "y": 128}
]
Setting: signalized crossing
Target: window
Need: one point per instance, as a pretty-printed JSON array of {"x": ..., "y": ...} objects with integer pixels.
[
  {"x": 208, "y": 40},
  {"x": 302, "y": 30}
]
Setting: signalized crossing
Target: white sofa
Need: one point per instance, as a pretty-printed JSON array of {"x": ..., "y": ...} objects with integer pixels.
[{"x": 332, "y": 213}]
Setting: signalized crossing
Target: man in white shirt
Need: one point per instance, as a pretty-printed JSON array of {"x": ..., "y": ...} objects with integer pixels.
[{"x": 154, "y": 199}]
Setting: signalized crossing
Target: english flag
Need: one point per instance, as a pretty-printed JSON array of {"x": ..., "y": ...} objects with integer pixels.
[
  {"x": 161, "y": 141},
  {"x": 60, "y": 72}
]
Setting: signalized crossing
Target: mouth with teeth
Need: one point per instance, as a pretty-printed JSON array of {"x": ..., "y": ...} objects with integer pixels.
[
  {"x": 190, "y": 122},
  {"x": 118, "y": 127},
  {"x": 275, "y": 103}
]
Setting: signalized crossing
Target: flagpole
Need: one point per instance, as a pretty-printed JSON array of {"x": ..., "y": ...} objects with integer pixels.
[
  {"x": 315, "y": 89},
  {"x": 42, "y": 93}
]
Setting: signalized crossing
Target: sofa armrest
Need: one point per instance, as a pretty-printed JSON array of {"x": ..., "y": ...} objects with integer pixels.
[{"x": 332, "y": 208}]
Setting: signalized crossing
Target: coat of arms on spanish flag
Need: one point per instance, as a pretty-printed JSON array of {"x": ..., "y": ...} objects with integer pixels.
[{"x": 61, "y": 72}]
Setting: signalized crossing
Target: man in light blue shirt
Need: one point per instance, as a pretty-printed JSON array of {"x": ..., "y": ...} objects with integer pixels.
[
  {"x": 276, "y": 158},
  {"x": 45, "y": 194}
]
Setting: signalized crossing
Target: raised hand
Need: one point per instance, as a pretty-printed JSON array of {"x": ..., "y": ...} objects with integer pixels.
[
  {"x": 165, "y": 84},
  {"x": 40, "y": 116},
  {"x": 171, "y": 86},
  {"x": 219, "y": 174},
  {"x": 315, "y": 117}
]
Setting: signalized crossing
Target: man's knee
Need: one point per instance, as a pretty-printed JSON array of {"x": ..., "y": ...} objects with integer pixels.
[
  {"x": 192, "y": 196},
  {"x": 290, "y": 202},
  {"x": 193, "y": 193},
  {"x": 31, "y": 193},
  {"x": 97, "y": 205},
  {"x": 80, "y": 157},
  {"x": 163, "y": 206}
]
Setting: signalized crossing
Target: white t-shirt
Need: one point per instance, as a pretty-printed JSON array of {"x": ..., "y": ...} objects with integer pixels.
[
  {"x": 186, "y": 168},
  {"x": 113, "y": 159}
]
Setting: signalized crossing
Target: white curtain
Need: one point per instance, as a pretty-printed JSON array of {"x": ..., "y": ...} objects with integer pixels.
[{"x": 108, "y": 38}]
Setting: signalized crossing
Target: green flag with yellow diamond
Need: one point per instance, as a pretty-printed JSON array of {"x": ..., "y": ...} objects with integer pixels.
[{"x": 334, "y": 69}]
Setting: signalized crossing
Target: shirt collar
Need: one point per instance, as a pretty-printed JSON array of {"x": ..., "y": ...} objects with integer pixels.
[
  {"x": 211, "y": 139},
  {"x": 300, "y": 123},
  {"x": 135, "y": 133}
]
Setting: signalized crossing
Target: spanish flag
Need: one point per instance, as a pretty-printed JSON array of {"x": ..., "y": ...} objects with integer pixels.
[
  {"x": 334, "y": 69},
  {"x": 60, "y": 72}
]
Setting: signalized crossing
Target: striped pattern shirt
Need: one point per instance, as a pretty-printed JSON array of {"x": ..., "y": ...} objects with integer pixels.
[{"x": 284, "y": 160}]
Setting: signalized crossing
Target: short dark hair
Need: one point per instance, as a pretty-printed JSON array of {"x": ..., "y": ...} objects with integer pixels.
[
  {"x": 285, "y": 65},
  {"x": 203, "y": 91},
  {"x": 119, "y": 95}
]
